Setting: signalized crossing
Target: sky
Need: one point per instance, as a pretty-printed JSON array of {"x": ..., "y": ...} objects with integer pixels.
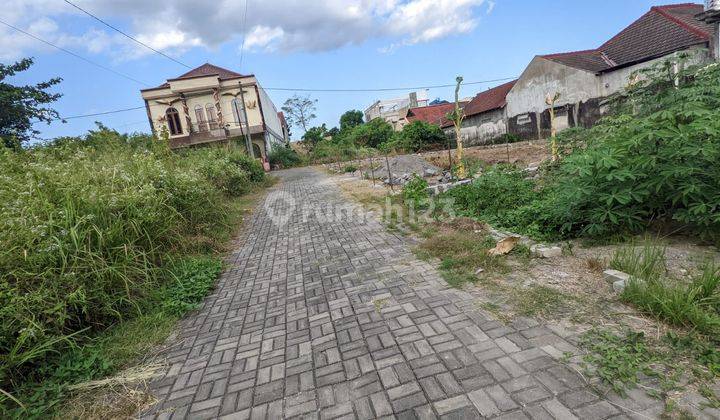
[{"x": 297, "y": 44}]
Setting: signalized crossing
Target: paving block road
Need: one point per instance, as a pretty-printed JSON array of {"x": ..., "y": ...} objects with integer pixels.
[{"x": 334, "y": 317}]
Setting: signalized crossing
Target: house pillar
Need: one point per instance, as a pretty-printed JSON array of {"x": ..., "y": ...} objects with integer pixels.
[
  {"x": 216, "y": 97},
  {"x": 186, "y": 111}
]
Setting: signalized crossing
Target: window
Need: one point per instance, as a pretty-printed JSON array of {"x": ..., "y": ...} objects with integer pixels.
[
  {"x": 210, "y": 111},
  {"x": 237, "y": 110},
  {"x": 256, "y": 151},
  {"x": 523, "y": 119},
  {"x": 173, "y": 121},
  {"x": 200, "y": 118}
]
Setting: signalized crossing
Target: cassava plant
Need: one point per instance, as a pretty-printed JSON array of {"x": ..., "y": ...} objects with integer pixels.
[
  {"x": 457, "y": 116},
  {"x": 550, "y": 100}
]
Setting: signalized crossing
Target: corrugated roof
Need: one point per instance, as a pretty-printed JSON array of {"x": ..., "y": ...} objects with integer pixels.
[{"x": 660, "y": 31}]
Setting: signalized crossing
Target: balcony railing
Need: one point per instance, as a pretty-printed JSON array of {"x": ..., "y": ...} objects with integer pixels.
[{"x": 205, "y": 126}]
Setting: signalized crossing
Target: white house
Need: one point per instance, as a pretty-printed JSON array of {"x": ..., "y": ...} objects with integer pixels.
[
  {"x": 395, "y": 110},
  {"x": 206, "y": 105}
]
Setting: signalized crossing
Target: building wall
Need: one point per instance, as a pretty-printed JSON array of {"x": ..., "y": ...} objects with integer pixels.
[
  {"x": 581, "y": 94},
  {"x": 617, "y": 80},
  {"x": 202, "y": 94},
  {"x": 273, "y": 125},
  {"x": 543, "y": 77},
  {"x": 482, "y": 128}
]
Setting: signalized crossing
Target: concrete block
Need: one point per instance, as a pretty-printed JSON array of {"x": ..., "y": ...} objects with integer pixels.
[
  {"x": 546, "y": 251},
  {"x": 612, "y": 276},
  {"x": 619, "y": 286}
]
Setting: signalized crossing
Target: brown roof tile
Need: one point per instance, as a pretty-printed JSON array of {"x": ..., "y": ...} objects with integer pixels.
[
  {"x": 433, "y": 114},
  {"x": 206, "y": 69},
  {"x": 488, "y": 100},
  {"x": 660, "y": 31}
]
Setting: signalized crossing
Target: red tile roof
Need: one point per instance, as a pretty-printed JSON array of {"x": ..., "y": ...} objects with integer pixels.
[
  {"x": 486, "y": 101},
  {"x": 660, "y": 31},
  {"x": 282, "y": 119},
  {"x": 433, "y": 114}
]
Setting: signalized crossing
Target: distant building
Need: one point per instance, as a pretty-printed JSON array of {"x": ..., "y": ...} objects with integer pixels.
[
  {"x": 394, "y": 110},
  {"x": 485, "y": 119},
  {"x": 205, "y": 106},
  {"x": 584, "y": 79}
]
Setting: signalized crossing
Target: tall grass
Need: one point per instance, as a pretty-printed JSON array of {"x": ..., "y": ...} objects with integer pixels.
[
  {"x": 88, "y": 225},
  {"x": 694, "y": 304}
]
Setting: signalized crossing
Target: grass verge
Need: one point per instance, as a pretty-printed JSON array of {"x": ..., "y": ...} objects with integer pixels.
[{"x": 691, "y": 303}]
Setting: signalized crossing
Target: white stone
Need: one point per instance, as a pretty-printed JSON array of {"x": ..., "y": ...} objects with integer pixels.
[
  {"x": 546, "y": 251},
  {"x": 619, "y": 286},
  {"x": 612, "y": 276}
]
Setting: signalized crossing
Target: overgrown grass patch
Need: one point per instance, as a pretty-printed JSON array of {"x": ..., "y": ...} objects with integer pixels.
[
  {"x": 93, "y": 229},
  {"x": 690, "y": 303}
]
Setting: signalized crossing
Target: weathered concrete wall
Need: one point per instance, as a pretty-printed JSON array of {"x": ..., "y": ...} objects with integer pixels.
[
  {"x": 617, "y": 80},
  {"x": 525, "y": 126},
  {"x": 543, "y": 77},
  {"x": 483, "y": 128}
]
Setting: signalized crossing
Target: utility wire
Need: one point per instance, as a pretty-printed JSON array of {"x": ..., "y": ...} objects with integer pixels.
[
  {"x": 244, "y": 34},
  {"x": 102, "y": 113},
  {"x": 125, "y": 34},
  {"x": 386, "y": 89},
  {"x": 73, "y": 54}
]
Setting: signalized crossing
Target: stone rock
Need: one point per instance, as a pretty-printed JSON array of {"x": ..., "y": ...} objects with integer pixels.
[
  {"x": 428, "y": 172},
  {"x": 619, "y": 286},
  {"x": 613, "y": 276},
  {"x": 546, "y": 251}
]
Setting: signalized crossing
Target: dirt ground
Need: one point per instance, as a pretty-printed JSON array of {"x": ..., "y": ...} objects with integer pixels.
[{"x": 524, "y": 154}]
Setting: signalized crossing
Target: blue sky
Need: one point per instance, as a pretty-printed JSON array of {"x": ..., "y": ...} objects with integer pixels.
[{"x": 297, "y": 44}]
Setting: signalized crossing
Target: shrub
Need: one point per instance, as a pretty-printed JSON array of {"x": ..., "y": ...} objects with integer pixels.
[
  {"x": 415, "y": 191},
  {"x": 229, "y": 170},
  {"x": 372, "y": 133},
  {"x": 284, "y": 156},
  {"x": 87, "y": 226},
  {"x": 420, "y": 135},
  {"x": 657, "y": 161},
  {"x": 350, "y": 168}
]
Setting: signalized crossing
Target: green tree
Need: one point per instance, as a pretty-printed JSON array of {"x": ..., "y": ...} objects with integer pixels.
[
  {"x": 299, "y": 111},
  {"x": 419, "y": 135},
  {"x": 372, "y": 134},
  {"x": 351, "y": 119},
  {"x": 22, "y": 105},
  {"x": 314, "y": 135}
]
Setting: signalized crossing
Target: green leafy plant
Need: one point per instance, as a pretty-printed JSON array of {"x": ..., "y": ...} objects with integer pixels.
[
  {"x": 192, "y": 278},
  {"x": 619, "y": 360},
  {"x": 415, "y": 191},
  {"x": 284, "y": 157}
]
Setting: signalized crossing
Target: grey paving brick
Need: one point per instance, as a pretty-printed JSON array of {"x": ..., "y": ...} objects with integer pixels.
[{"x": 292, "y": 330}]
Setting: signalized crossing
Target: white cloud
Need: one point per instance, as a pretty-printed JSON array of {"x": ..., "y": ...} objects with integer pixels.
[
  {"x": 264, "y": 37},
  {"x": 284, "y": 25}
]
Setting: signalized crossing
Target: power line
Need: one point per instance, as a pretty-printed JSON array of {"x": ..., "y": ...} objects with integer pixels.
[
  {"x": 244, "y": 35},
  {"x": 125, "y": 34},
  {"x": 386, "y": 89},
  {"x": 102, "y": 113},
  {"x": 73, "y": 54}
]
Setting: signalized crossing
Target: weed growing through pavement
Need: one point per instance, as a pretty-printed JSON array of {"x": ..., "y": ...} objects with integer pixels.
[{"x": 627, "y": 360}]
